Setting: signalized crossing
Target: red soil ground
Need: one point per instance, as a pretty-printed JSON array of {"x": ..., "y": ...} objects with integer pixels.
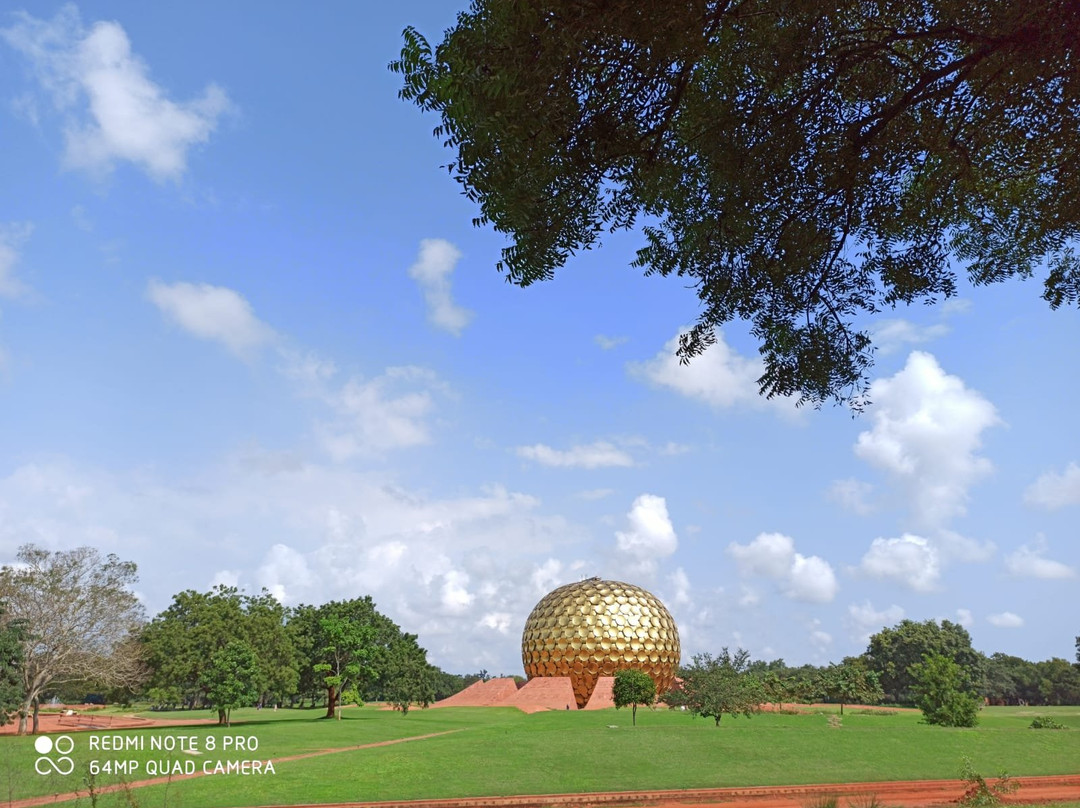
[{"x": 83, "y": 719}]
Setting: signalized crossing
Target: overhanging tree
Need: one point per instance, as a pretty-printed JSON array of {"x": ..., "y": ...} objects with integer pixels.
[
  {"x": 799, "y": 164},
  {"x": 79, "y": 616}
]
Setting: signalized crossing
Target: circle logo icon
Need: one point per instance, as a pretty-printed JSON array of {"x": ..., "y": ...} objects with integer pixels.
[{"x": 62, "y": 746}]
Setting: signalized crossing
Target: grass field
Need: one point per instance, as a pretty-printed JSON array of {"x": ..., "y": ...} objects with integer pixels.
[{"x": 501, "y": 751}]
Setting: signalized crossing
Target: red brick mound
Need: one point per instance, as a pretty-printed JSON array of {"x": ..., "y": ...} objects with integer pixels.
[
  {"x": 492, "y": 693},
  {"x": 544, "y": 693},
  {"x": 603, "y": 694}
]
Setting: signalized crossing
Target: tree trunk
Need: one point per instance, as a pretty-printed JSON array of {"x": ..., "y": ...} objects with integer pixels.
[
  {"x": 37, "y": 710},
  {"x": 222, "y": 719},
  {"x": 841, "y": 708},
  {"x": 633, "y": 712},
  {"x": 331, "y": 701}
]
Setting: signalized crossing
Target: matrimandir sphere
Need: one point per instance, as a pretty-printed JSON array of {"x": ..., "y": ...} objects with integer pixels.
[{"x": 592, "y": 628}]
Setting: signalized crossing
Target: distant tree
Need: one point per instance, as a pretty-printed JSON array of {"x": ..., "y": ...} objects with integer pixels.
[
  {"x": 800, "y": 165},
  {"x": 343, "y": 654},
  {"x": 1059, "y": 681},
  {"x": 79, "y": 613},
  {"x": 851, "y": 682},
  {"x": 1010, "y": 680},
  {"x": 181, "y": 640},
  {"x": 944, "y": 692},
  {"x": 231, "y": 679},
  {"x": 407, "y": 677},
  {"x": 711, "y": 686},
  {"x": 892, "y": 652},
  {"x": 632, "y": 687},
  {"x": 1078, "y": 650},
  {"x": 12, "y": 635}
]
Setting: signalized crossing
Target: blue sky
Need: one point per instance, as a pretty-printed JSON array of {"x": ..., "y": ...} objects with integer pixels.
[{"x": 248, "y": 335}]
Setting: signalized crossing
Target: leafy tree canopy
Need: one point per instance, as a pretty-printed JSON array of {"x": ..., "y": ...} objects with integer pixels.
[
  {"x": 712, "y": 686},
  {"x": 79, "y": 616},
  {"x": 944, "y": 692},
  {"x": 892, "y": 652},
  {"x": 799, "y": 164},
  {"x": 851, "y": 682},
  {"x": 231, "y": 679},
  {"x": 12, "y": 635},
  {"x": 632, "y": 687}
]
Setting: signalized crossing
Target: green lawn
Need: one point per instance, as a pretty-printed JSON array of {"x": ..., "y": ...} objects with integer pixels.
[{"x": 503, "y": 751}]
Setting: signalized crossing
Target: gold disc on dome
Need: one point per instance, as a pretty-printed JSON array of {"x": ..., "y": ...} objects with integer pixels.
[{"x": 600, "y": 626}]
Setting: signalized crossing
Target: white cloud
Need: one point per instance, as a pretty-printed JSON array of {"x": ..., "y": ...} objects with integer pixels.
[
  {"x": 772, "y": 555},
  {"x": 389, "y": 411},
  {"x": 600, "y": 454},
  {"x": 1005, "y": 620},
  {"x": 892, "y": 335},
  {"x": 865, "y": 620},
  {"x": 284, "y": 567},
  {"x": 720, "y": 376},
  {"x": 909, "y": 560},
  {"x": 432, "y": 271},
  {"x": 769, "y": 555},
  {"x": 811, "y": 580},
  {"x": 965, "y": 618},
  {"x": 650, "y": 535},
  {"x": 113, "y": 111},
  {"x": 927, "y": 430},
  {"x": 607, "y": 343},
  {"x": 852, "y": 495},
  {"x": 681, "y": 585},
  {"x": 213, "y": 313},
  {"x": 1029, "y": 561},
  {"x": 12, "y": 235},
  {"x": 1053, "y": 490},
  {"x": 954, "y": 547}
]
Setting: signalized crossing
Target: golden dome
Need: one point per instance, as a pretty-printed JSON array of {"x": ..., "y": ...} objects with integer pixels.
[{"x": 592, "y": 628}]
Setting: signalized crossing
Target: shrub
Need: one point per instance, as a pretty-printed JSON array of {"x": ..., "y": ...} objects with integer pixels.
[
  {"x": 979, "y": 793},
  {"x": 1045, "y": 722}
]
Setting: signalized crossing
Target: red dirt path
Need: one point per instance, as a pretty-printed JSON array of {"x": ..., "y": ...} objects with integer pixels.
[{"x": 51, "y": 723}]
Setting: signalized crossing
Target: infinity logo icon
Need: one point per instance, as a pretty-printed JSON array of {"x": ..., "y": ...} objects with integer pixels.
[{"x": 63, "y": 746}]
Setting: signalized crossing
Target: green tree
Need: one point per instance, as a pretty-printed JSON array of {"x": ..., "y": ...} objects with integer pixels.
[
  {"x": 851, "y": 682},
  {"x": 407, "y": 678},
  {"x": 892, "y": 652},
  {"x": 12, "y": 636},
  {"x": 800, "y": 165},
  {"x": 1059, "y": 681},
  {"x": 712, "y": 686},
  {"x": 180, "y": 641},
  {"x": 79, "y": 615},
  {"x": 231, "y": 679},
  {"x": 632, "y": 687},
  {"x": 944, "y": 692}
]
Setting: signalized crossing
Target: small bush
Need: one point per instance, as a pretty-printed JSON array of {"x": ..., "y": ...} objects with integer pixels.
[
  {"x": 1045, "y": 722},
  {"x": 981, "y": 794}
]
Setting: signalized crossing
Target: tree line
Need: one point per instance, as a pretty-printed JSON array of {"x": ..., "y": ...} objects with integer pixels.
[
  {"x": 71, "y": 628},
  {"x": 927, "y": 664},
  {"x": 70, "y": 625}
]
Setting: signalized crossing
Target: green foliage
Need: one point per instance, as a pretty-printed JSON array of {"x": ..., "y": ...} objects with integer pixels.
[
  {"x": 407, "y": 678},
  {"x": 631, "y": 688},
  {"x": 12, "y": 636},
  {"x": 1046, "y": 722},
  {"x": 231, "y": 679},
  {"x": 892, "y": 652},
  {"x": 180, "y": 642},
  {"x": 980, "y": 793},
  {"x": 712, "y": 686},
  {"x": 850, "y": 682},
  {"x": 799, "y": 166},
  {"x": 944, "y": 693}
]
